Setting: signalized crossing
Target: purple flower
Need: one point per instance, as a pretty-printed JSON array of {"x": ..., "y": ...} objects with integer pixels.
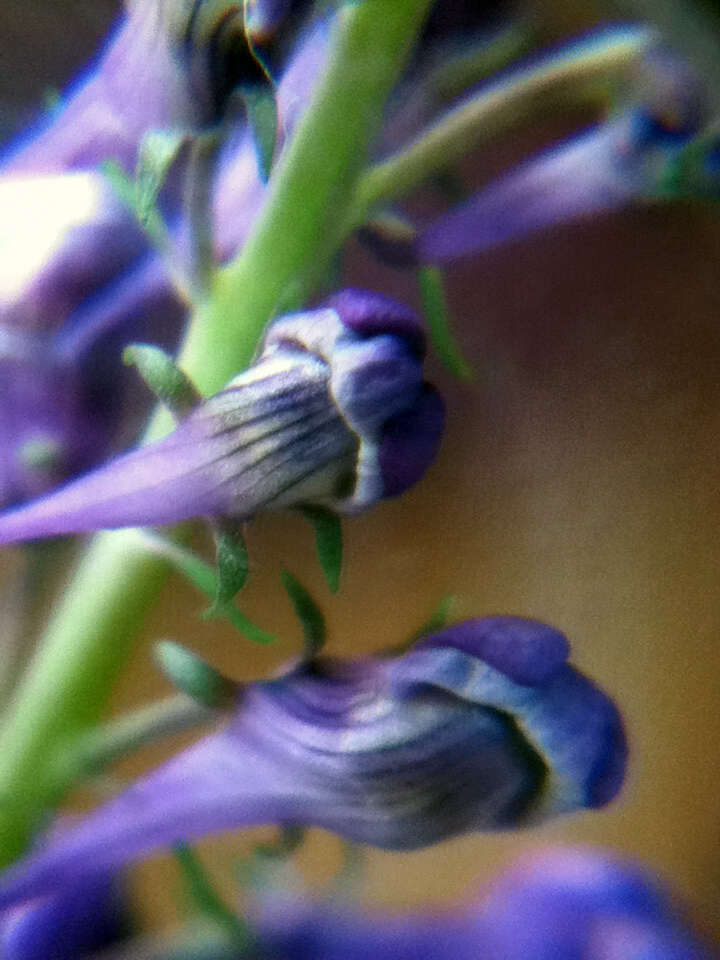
[
  {"x": 334, "y": 411},
  {"x": 636, "y": 156},
  {"x": 140, "y": 82},
  {"x": 75, "y": 280},
  {"x": 74, "y": 923},
  {"x": 564, "y": 904},
  {"x": 78, "y": 279},
  {"x": 482, "y": 727}
]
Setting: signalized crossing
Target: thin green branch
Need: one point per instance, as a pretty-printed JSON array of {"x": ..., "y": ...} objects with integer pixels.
[{"x": 579, "y": 73}]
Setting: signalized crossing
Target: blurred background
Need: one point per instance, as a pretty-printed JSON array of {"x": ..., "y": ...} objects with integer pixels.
[{"x": 579, "y": 483}]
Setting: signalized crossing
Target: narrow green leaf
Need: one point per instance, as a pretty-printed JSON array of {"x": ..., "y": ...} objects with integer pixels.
[
  {"x": 438, "y": 620},
  {"x": 157, "y": 152},
  {"x": 233, "y": 566},
  {"x": 328, "y": 543},
  {"x": 123, "y": 187},
  {"x": 262, "y": 116},
  {"x": 191, "y": 674},
  {"x": 202, "y": 576},
  {"x": 167, "y": 381},
  {"x": 434, "y": 304},
  {"x": 308, "y": 612},
  {"x": 207, "y": 900}
]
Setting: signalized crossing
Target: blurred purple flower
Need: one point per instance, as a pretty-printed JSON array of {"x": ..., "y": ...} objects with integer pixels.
[
  {"x": 334, "y": 411},
  {"x": 564, "y": 904},
  {"x": 481, "y": 727},
  {"x": 76, "y": 922},
  {"x": 79, "y": 280},
  {"x": 636, "y": 156},
  {"x": 139, "y": 82}
]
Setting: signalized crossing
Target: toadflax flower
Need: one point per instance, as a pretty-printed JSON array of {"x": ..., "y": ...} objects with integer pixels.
[
  {"x": 484, "y": 726},
  {"x": 334, "y": 411},
  {"x": 561, "y": 904}
]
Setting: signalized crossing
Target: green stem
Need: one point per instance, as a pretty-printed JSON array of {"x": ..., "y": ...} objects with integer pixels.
[
  {"x": 311, "y": 187},
  {"x": 97, "y": 748},
  {"x": 578, "y": 73},
  {"x": 93, "y": 630}
]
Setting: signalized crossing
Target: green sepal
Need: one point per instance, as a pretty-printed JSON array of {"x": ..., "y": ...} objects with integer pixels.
[
  {"x": 262, "y": 117},
  {"x": 434, "y": 304},
  {"x": 166, "y": 380},
  {"x": 191, "y": 674},
  {"x": 123, "y": 187},
  {"x": 438, "y": 619},
  {"x": 157, "y": 153},
  {"x": 202, "y": 576},
  {"x": 266, "y": 860},
  {"x": 233, "y": 566},
  {"x": 208, "y": 901},
  {"x": 308, "y": 613},
  {"x": 328, "y": 543}
]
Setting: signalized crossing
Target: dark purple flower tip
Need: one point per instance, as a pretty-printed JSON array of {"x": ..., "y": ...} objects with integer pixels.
[
  {"x": 76, "y": 922},
  {"x": 370, "y": 314},
  {"x": 398, "y": 753},
  {"x": 572, "y": 727},
  {"x": 410, "y": 442},
  {"x": 526, "y": 651},
  {"x": 303, "y": 425}
]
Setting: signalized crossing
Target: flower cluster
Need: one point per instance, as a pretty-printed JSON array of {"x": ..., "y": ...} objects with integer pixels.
[{"x": 198, "y": 189}]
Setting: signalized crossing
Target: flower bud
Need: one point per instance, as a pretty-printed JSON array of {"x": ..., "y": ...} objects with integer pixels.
[
  {"x": 333, "y": 412},
  {"x": 483, "y": 727}
]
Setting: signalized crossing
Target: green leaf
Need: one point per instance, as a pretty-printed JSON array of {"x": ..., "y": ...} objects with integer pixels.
[
  {"x": 262, "y": 116},
  {"x": 167, "y": 381},
  {"x": 233, "y": 566},
  {"x": 328, "y": 543},
  {"x": 202, "y": 576},
  {"x": 124, "y": 189},
  {"x": 434, "y": 304},
  {"x": 208, "y": 900},
  {"x": 191, "y": 674},
  {"x": 158, "y": 150},
  {"x": 438, "y": 620},
  {"x": 308, "y": 612}
]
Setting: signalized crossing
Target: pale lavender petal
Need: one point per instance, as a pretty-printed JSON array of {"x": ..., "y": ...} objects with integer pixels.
[
  {"x": 139, "y": 83},
  {"x": 573, "y": 181},
  {"x": 398, "y": 753}
]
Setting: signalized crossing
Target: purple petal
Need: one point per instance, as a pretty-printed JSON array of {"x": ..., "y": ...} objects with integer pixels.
[
  {"x": 410, "y": 442},
  {"x": 570, "y": 904},
  {"x": 138, "y": 84},
  {"x": 572, "y": 181},
  {"x": 80, "y": 920},
  {"x": 527, "y": 651},
  {"x": 369, "y": 313}
]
